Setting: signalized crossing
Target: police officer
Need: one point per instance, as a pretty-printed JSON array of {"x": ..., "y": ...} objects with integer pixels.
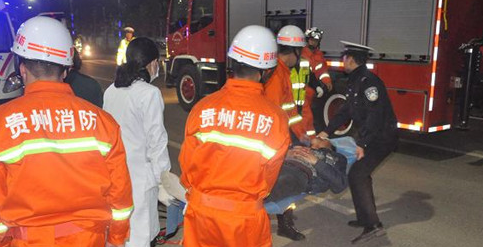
[
  {"x": 369, "y": 108},
  {"x": 121, "y": 50}
]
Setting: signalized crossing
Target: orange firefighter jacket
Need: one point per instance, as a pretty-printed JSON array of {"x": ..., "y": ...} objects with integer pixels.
[
  {"x": 278, "y": 89},
  {"x": 318, "y": 66},
  {"x": 62, "y": 160},
  {"x": 235, "y": 143}
]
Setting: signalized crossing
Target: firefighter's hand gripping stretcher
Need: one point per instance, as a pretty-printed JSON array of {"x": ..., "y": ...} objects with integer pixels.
[{"x": 305, "y": 171}]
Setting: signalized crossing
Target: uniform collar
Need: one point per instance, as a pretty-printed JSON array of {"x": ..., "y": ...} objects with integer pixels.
[
  {"x": 357, "y": 72},
  {"x": 48, "y": 86},
  {"x": 241, "y": 84}
]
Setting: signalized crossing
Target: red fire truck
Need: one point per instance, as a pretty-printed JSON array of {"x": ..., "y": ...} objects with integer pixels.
[
  {"x": 416, "y": 46},
  {"x": 10, "y": 84}
]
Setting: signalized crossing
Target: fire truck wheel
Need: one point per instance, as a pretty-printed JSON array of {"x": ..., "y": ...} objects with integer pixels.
[
  {"x": 332, "y": 105},
  {"x": 188, "y": 87}
]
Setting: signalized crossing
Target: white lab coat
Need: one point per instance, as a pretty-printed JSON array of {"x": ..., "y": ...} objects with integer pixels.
[{"x": 138, "y": 109}]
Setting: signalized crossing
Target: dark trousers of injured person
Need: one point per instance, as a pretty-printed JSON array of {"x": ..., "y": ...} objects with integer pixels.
[
  {"x": 298, "y": 177},
  {"x": 291, "y": 181},
  {"x": 360, "y": 182}
]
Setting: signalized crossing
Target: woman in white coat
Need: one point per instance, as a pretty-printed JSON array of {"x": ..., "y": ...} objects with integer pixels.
[{"x": 138, "y": 108}]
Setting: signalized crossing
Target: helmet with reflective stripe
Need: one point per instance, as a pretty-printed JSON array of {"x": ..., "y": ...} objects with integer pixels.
[
  {"x": 255, "y": 46},
  {"x": 45, "y": 39},
  {"x": 314, "y": 33},
  {"x": 291, "y": 35}
]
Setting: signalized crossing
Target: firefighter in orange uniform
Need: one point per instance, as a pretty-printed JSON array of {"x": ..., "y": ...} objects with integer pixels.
[
  {"x": 235, "y": 143},
  {"x": 320, "y": 81},
  {"x": 280, "y": 88},
  {"x": 63, "y": 174}
]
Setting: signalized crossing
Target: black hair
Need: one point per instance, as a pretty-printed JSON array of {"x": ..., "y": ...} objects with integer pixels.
[
  {"x": 285, "y": 49},
  {"x": 41, "y": 69},
  {"x": 360, "y": 57},
  {"x": 242, "y": 70},
  {"x": 140, "y": 52}
]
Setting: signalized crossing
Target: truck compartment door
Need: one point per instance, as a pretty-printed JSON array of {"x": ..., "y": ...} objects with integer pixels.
[
  {"x": 244, "y": 13},
  {"x": 401, "y": 27},
  {"x": 409, "y": 106},
  {"x": 340, "y": 20}
]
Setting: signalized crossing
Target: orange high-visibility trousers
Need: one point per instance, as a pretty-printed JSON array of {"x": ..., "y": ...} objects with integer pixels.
[
  {"x": 46, "y": 237},
  {"x": 212, "y": 221}
]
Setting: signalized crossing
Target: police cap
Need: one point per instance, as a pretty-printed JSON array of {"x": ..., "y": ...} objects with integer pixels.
[
  {"x": 129, "y": 30},
  {"x": 353, "y": 47}
]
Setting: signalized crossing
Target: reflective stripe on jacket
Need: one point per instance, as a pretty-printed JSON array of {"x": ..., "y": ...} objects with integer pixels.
[
  {"x": 235, "y": 143},
  {"x": 278, "y": 89},
  {"x": 318, "y": 65},
  {"x": 62, "y": 160}
]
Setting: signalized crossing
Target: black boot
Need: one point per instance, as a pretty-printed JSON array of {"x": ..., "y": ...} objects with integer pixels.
[
  {"x": 286, "y": 227},
  {"x": 154, "y": 242}
]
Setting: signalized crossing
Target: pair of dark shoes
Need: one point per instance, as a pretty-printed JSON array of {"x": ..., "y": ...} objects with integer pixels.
[
  {"x": 286, "y": 226},
  {"x": 369, "y": 232}
]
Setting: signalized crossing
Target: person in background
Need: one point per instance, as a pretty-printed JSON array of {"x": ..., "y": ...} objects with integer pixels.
[
  {"x": 84, "y": 86},
  {"x": 63, "y": 174},
  {"x": 369, "y": 107},
  {"x": 319, "y": 83},
  {"x": 279, "y": 90},
  {"x": 121, "y": 50},
  {"x": 235, "y": 142},
  {"x": 138, "y": 107}
]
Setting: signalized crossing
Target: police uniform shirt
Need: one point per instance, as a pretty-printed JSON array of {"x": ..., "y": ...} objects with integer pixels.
[{"x": 368, "y": 105}]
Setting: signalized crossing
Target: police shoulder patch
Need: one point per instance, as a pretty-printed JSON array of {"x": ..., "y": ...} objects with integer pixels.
[{"x": 371, "y": 93}]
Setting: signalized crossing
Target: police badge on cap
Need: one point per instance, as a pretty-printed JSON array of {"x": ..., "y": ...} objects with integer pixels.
[{"x": 371, "y": 93}]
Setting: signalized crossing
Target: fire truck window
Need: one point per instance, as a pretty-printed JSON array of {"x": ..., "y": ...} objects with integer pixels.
[
  {"x": 179, "y": 14},
  {"x": 201, "y": 15},
  {"x": 5, "y": 34}
]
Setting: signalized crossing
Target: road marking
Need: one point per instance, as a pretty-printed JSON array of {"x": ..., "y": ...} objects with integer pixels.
[
  {"x": 473, "y": 154},
  {"x": 330, "y": 205}
]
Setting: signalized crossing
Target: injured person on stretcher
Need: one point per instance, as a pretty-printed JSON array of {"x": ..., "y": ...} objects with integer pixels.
[
  {"x": 305, "y": 172},
  {"x": 308, "y": 171}
]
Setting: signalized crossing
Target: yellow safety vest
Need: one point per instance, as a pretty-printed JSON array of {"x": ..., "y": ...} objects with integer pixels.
[
  {"x": 299, "y": 80},
  {"x": 121, "y": 51}
]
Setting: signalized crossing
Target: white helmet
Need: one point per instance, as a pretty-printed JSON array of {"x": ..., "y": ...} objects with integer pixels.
[
  {"x": 46, "y": 39},
  {"x": 291, "y": 35},
  {"x": 255, "y": 46}
]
